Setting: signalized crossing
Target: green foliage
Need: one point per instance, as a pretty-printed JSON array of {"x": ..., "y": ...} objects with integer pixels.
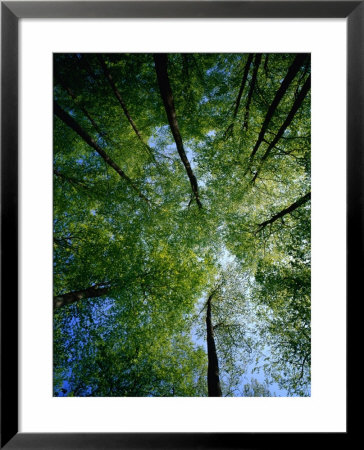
[{"x": 162, "y": 258}]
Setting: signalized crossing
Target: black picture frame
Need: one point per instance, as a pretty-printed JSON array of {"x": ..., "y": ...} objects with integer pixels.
[{"x": 11, "y": 12}]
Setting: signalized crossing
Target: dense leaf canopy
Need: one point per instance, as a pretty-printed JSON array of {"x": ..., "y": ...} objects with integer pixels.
[{"x": 181, "y": 200}]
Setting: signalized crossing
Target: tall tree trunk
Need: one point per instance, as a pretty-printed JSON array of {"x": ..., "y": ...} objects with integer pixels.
[
  {"x": 70, "y": 121},
  {"x": 296, "y": 105},
  {"x": 167, "y": 97},
  {"x": 213, "y": 378},
  {"x": 73, "y": 297},
  {"x": 243, "y": 82},
  {"x": 292, "y": 71}
]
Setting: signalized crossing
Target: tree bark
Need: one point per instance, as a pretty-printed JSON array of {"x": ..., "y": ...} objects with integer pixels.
[
  {"x": 72, "y": 297},
  {"x": 213, "y": 377},
  {"x": 68, "y": 120},
  {"x": 301, "y": 201},
  {"x": 167, "y": 97},
  {"x": 292, "y": 71},
  {"x": 258, "y": 58},
  {"x": 296, "y": 105}
]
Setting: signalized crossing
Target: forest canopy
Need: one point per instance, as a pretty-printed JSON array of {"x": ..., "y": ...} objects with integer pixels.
[{"x": 181, "y": 225}]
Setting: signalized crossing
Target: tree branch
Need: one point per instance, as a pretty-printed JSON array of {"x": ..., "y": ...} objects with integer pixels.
[
  {"x": 301, "y": 201},
  {"x": 99, "y": 290},
  {"x": 302, "y": 366}
]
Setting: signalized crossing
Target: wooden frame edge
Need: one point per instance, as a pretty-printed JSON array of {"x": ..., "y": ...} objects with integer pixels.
[{"x": 10, "y": 13}]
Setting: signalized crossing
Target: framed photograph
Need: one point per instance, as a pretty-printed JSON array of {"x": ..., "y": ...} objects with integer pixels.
[{"x": 184, "y": 179}]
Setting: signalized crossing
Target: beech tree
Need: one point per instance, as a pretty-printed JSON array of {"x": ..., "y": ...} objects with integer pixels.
[{"x": 181, "y": 224}]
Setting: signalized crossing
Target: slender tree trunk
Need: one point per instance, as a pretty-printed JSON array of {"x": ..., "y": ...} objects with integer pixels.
[
  {"x": 296, "y": 105},
  {"x": 123, "y": 105},
  {"x": 301, "y": 201},
  {"x": 258, "y": 58},
  {"x": 243, "y": 82},
  {"x": 230, "y": 128},
  {"x": 68, "y": 120},
  {"x": 167, "y": 97},
  {"x": 75, "y": 296},
  {"x": 118, "y": 96},
  {"x": 292, "y": 71},
  {"x": 213, "y": 378}
]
